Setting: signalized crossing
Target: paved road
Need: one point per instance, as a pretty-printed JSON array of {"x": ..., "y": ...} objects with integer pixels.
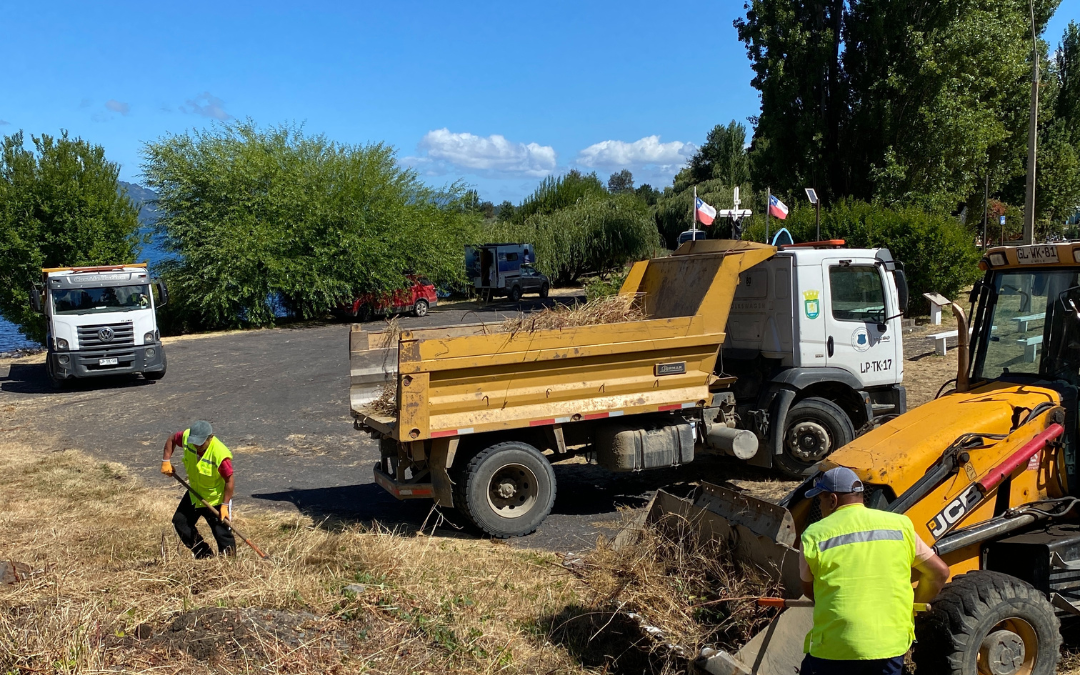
[{"x": 279, "y": 399}]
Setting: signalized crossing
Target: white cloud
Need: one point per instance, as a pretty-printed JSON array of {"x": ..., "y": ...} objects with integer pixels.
[
  {"x": 491, "y": 154},
  {"x": 648, "y": 151},
  {"x": 118, "y": 106},
  {"x": 213, "y": 107}
]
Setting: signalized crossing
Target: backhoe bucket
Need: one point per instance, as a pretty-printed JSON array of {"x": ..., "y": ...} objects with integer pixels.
[{"x": 757, "y": 533}]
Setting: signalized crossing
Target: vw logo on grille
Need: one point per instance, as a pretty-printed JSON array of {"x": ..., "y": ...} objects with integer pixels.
[{"x": 105, "y": 334}]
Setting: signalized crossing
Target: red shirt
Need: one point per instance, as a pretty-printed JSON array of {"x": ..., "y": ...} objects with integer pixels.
[{"x": 225, "y": 468}]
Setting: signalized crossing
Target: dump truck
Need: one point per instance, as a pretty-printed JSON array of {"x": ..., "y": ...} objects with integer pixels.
[
  {"x": 987, "y": 472},
  {"x": 100, "y": 321},
  {"x": 476, "y": 416}
]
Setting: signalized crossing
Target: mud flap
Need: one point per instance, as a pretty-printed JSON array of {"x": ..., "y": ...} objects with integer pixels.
[{"x": 758, "y": 533}]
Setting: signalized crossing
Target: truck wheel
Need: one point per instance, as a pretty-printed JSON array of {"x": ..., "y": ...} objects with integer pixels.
[
  {"x": 161, "y": 373},
  {"x": 515, "y": 293},
  {"x": 544, "y": 290},
  {"x": 54, "y": 381},
  {"x": 813, "y": 429},
  {"x": 506, "y": 490},
  {"x": 988, "y": 623},
  {"x": 420, "y": 308}
]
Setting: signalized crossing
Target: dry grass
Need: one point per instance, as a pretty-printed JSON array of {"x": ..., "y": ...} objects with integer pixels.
[
  {"x": 608, "y": 309},
  {"x": 115, "y": 591}
]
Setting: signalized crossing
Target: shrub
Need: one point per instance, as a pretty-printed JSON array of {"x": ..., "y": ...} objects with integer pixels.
[
  {"x": 263, "y": 218},
  {"x": 594, "y": 235},
  {"x": 938, "y": 252}
]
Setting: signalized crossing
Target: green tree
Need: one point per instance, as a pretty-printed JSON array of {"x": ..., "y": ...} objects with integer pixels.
[
  {"x": 60, "y": 205},
  {"x": 723, "y": 157},
  {"x": 505, "y": 211},
  {"x": 261, "y": 216},
  {"x": 1067, "y": 75},
  {"x": 623, "y": 181},
  {"x": 648, "y": 194},
  {"x": 558, "y": 193},
  {"x": 897, "y": 100}
]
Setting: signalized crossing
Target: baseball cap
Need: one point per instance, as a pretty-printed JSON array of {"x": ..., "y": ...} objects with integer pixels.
[
  {"x": 840, "y": 480},
  {"x": 199, "y": 432}
]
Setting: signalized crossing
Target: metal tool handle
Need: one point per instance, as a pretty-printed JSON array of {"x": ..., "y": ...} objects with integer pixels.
[{"x": 217, "y": 513}]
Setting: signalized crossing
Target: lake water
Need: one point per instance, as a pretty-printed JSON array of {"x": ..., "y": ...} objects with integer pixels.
[{"x": 10, "y": 337}]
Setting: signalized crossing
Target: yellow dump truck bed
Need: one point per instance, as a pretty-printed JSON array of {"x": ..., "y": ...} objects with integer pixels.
[{"x": 467, "y": 379}]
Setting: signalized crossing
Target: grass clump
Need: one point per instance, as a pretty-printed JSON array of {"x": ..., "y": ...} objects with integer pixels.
[{"x": 603, "y": 310}]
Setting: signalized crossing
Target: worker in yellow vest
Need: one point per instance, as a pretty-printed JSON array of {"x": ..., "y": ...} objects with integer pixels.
[
  {"x": 209, "y": 472},
  {"x": 857, "y": 566}
]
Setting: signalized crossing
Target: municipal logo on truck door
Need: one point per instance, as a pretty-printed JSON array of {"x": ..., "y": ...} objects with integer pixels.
[
  {"x": 860, "y": 339},
  {"x": 811, "y": 304}
]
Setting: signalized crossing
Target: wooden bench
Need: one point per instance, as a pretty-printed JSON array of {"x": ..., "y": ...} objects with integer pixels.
[{"x": 1031, "y": 347}]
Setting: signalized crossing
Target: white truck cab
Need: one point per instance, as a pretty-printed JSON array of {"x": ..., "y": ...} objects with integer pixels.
[
  {"x": 100, "y": 321},
  {"x": 814, "y": 337}
]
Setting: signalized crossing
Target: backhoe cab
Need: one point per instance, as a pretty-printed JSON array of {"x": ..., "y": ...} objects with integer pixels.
[{"x": 987, "y": 473}]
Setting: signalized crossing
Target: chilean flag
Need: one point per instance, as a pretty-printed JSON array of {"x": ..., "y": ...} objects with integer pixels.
[
  {"x": 705, "y": 213},
  {"x": 777, "y": 208}
]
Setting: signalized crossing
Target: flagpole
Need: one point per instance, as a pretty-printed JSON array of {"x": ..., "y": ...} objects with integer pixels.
[
  {"x": 693, "y": 213},
  {"x": 768, "y": 211}
]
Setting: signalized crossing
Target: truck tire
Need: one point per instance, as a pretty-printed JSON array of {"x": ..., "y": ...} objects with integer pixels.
[
  {"x": 814, "y": 428},
  {"x": 515, "y": 293},
  {"x": 420, "y": 308},
  {"x": 55, "y": 382},
  {"x": 506, "y": 490},
  {"x": 544, "y": 290},
  {"x": 161, "y": 373},
  {"x": 988, "y": 622}
]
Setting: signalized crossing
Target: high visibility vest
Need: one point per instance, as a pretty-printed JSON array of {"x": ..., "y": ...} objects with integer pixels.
[
  {"x": 861, "y": 561},
  {"x": 202, "y": 472}
]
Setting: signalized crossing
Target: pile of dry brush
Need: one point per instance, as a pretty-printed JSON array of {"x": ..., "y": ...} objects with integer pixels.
[{"x": 673, "y": 582}]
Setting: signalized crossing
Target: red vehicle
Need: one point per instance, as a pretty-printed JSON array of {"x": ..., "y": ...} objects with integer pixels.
[{"x": 417, "y": 298}]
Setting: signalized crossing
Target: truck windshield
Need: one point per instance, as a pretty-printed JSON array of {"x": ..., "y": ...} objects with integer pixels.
[
  {"x": 107, "y": 299},
  {"x": 1034, "y": 326}
]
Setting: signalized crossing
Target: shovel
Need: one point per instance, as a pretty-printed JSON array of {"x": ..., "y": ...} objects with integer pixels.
[{"x": 214, "y": 511}]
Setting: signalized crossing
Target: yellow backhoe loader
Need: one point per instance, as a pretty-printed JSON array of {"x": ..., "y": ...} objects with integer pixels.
[{"x": 987, "y": 473}]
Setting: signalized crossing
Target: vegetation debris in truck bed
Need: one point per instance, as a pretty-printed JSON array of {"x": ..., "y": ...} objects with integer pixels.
[{"x": 603, "y": 310}]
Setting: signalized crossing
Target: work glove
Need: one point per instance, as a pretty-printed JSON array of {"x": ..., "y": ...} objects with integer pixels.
[
  {"x": 224, "y": 511},
  {"x": 166, "y": 468}
]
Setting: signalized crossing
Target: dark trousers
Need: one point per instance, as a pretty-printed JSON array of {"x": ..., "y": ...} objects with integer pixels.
[
  {"x": 184, "y": 521},
  {"x": 812, "y": 665}
]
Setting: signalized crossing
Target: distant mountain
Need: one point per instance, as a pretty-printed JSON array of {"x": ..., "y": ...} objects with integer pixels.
[{"x": 145, "y": 199}]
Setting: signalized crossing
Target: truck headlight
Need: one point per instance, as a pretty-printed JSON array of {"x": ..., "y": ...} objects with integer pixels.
[
  {"x": 63, "y": 359},
  {"x": 149, "y": 338},
  {"x": 61, "y": 344},
  {"x": 151, "y": 353}
]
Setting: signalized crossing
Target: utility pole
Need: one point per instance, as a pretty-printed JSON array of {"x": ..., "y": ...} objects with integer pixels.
[{"x": 1029, "y": 194}]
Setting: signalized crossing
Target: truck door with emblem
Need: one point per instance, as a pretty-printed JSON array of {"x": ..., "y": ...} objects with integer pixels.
[{"x": 856, "y": 308}]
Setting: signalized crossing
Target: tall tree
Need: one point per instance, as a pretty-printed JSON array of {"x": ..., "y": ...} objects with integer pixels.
[
  {"x": 901, "y": 100},
  {"x": 558, "y": 193},
  {"x": 622, "y": 181},
  {"x": 723, "y": 156},
  {"x": 60, "y": 205}
]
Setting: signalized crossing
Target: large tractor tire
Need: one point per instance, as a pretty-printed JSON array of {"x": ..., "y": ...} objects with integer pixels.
[
  {"x": 988, "y": 623},
  {"x": 814, "y": 428},
  {"x": 506, "y": 490}
]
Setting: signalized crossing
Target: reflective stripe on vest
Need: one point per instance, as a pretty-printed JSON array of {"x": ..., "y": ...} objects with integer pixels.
[
  {"x": 202, "y": 472},
  {"x": 861, "y": 561}
]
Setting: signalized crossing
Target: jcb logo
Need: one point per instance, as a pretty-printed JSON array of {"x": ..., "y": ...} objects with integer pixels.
[{"x": 954, "y": 511}]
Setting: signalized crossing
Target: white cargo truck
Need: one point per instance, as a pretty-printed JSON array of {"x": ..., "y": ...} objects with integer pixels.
[
  {"x": 100, "y": 321},
  {"x": 814, "y": 339}
]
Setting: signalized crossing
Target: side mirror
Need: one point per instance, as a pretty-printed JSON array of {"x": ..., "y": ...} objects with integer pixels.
[
  {"x": 901, "y": 289},
  {"x": 35, "y": 299},
  {"x": 163, "y": 294}
]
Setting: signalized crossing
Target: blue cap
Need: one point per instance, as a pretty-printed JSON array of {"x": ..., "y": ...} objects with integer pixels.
[
  {"x": 840, "y": 480},
  {"x": 199, "y": 432}
]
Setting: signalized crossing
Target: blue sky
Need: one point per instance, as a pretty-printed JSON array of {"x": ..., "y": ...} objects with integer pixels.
[{"x": 498, "y": 93}]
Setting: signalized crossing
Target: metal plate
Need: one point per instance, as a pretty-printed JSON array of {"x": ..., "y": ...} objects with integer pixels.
[{"x": 1036, "y": 255}]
